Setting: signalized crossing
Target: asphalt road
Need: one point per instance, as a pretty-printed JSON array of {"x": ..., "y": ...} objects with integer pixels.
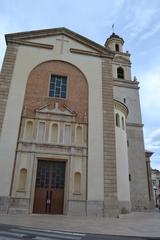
[{"x": 11, "y": 232}]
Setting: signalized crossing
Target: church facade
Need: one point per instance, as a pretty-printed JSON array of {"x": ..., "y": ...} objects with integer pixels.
[{"x": 71, "y": 134}]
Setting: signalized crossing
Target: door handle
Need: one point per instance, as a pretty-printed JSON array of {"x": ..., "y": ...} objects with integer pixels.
[{"x": 48, "y": 201}]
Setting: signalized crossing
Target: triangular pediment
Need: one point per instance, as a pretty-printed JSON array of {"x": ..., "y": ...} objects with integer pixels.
[
  {"x": 56, "y": 110},
  {"x": 27, "y": 38}
]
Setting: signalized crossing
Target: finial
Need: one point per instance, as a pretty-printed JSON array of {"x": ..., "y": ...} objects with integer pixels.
[
  {"x": 56, "y": 105},
  {"x": 135, "y": 79}
]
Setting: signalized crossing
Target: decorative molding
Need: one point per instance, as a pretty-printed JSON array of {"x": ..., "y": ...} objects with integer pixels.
[
  {"x": 56, "y": 120},
  {"x": 89, "y": 53},
  {"x": 122, "y": 107},
  {"x": 56, "y": 32},
  {"x": 79, "y": 51},
  {"x": 118, "y": 80},
  {"x": 135, "y": 125},
  {"x": 61, "y": 147},
  {"x": 121, "y": 59},
  {"x": 122, "y": 64},
  {"x": 124, "y": 54},
  {"x": 31, "y": 44},
  {"x": 22, "y": 37},
  {"x": 69, "y": 110},
  {"x": 126, "y": 83},
  {"x": 148, "y": 154},
  {"x": 56, "y": 110}
]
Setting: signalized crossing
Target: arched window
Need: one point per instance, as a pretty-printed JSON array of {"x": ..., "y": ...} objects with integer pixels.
[
  {"x": 29, "y": 130},
  {"x": 117, "y": 47},
  {"x": 77, "y": 182},
  {"x": 54, "y": 133},
  {"x": 117, "y": 120},
  {"x": 22, "y": 179},
  {"x": 79, "y": 135},
  {"x": 120, "y": 72},
  {"x": 123, "y": 127}
]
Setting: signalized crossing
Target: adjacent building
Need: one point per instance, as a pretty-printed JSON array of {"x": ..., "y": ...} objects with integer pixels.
[{"x": 156, "y": 186}]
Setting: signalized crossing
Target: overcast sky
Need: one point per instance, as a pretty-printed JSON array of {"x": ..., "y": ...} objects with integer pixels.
[{"x": 137, "y": 21}]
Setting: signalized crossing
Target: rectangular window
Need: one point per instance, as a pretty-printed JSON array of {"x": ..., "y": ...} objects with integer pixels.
[{"x": 58, "y": 86}]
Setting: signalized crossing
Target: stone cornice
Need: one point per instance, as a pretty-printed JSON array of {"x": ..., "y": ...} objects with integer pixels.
[
  {"x": 23, "y": 37},
  {"x": 148, "y": 153},
  {"x": 48, "y": 109},
  {"x": 55, "y": 120},
  {"x": 67, "y": 149},
  {"x": 123, "y": 62},
  {"x": 55, "y": 32},
  {"x": 31, "y": 44},
  {"x": 126, "y": 54},
  {"x": 126, "y": 83},
  {"x": 135, "y": 125},
  {"x": 95, "y": 54},
  {"x": 121, "y": 59},
  {"x": 121, "y": 107}
]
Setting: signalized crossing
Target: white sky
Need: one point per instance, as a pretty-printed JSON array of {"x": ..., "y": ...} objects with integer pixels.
[{"x": 137, "y": 21}]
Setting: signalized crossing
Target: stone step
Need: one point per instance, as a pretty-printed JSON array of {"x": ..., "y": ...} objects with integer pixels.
[{"x": 21, "y": 211}]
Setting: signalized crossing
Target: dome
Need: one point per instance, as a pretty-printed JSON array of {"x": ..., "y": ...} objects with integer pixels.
[{"x": 114, "y": 36}]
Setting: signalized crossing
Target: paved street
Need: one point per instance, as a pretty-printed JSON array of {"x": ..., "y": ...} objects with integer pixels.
[
  {"x": 139, "y": 225},
  {"x": 11, "y": 232}
]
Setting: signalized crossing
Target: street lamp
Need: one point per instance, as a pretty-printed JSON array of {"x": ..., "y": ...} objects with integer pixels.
[{"x": 155, "y": 195}]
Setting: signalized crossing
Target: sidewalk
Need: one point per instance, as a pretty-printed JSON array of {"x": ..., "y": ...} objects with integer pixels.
[{"x": 133, "y": 224}]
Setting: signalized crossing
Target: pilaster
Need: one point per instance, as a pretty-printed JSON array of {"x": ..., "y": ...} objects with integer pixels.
[
  {"x": 110, "y": 176},
  {"x": 5, "y": 78}
]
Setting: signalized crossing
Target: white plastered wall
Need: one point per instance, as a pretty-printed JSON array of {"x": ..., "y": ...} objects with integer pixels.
[
  {"x": 132, "y": 102},
  {"x": 27, "y": 59},
  {"x": 24, "y": 160},
  {"x": 122, "y": 161}
]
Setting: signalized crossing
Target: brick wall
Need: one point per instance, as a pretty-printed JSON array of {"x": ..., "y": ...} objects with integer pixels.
[{"x": 38, "y": 86}]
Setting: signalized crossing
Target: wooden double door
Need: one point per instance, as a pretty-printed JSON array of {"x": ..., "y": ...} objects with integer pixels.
[{"x": 49, "y": 190}]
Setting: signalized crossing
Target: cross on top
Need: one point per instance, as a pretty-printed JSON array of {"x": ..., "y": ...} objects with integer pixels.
[{"x": 62, "y": 40}]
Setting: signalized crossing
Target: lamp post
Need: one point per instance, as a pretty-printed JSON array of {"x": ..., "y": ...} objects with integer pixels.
[{"x": 155, "y": 195}]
